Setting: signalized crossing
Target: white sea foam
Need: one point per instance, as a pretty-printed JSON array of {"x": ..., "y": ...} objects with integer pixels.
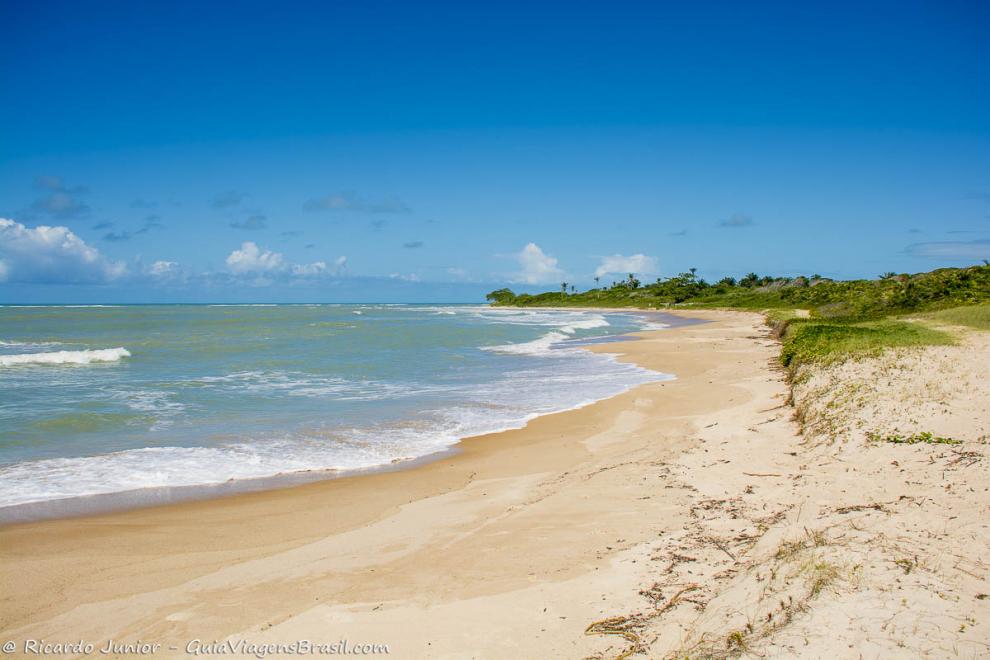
[
  {"x": 541, "y": 346},
  {"x": 159, "y": 405},
  {"x": 294, "y": 383},
  {"x": 500, "y": 405},
  {"x": 28, "y": 345},
  {"x": 65, "y": 357},
  {"x": 566, "y": 327},
  {"x": 596, "y": 321}
]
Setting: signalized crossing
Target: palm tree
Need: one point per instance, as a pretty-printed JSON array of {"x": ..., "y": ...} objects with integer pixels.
[
  {"x": 563, "y": 287},
  {"x": 596, "y": 281}
]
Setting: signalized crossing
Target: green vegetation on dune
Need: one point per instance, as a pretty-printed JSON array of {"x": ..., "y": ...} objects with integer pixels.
[
  {"x": 923, "y": 437},
  {"x": 844, "y": 318},
  {"x": 826, "y": 341},
  {"x": 974, "y": 316}
]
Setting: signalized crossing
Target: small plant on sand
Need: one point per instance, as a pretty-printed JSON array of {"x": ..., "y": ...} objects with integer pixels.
[
  {"x": 924, "y": 437},
  {"x": 817, "y": 537},
  {"x": 814, "y": 538},
  {"x": 821, "y": 575},
  {"x": 788, "y": 549},
  {"x": 735, "y": 642},
  {"x": 907, "y": 565}
]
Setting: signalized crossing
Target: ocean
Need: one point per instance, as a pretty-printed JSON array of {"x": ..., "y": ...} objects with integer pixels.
[{"x": 158, "y": 400}]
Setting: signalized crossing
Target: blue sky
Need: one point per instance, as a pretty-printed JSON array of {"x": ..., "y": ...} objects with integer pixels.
[{"x": 387, "y": 151}]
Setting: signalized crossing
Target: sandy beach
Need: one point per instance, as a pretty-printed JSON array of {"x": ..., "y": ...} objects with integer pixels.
[{"x": 684, "y": 517}]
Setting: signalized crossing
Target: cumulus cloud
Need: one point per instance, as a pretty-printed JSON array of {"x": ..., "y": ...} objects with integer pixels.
[
  {"x": 228, "y": 199},
  {"x": 251, "y": 223},
  {"x": 535, "y": 266},
  {"x": 309, "y": 270},
  {"x": 251, "y": 259},
  {"x": 634, "y": 263},
  {"x": 737, "y": 220},
  {"x": 60, "y": 200},
  {"x": 978, "y": 249},
  {"x": 166, "y": 272},
  {"x": 319, "y": 268},
  {"x": 348, "y": 201},
  {"x": 45, "y": 254}
]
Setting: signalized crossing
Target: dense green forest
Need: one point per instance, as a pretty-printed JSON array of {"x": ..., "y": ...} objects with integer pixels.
[{"x": 844, "y": 317}]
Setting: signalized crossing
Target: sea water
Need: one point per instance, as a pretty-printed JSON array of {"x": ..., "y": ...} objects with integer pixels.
[{"x": 98, "y": 400}]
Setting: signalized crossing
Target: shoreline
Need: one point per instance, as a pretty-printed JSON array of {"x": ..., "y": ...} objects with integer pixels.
[
  {"x": 144, "y": 498},
  {"x": 192, "y": 552}
]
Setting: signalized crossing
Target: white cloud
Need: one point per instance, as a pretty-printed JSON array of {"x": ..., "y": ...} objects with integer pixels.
[
  {"x": 411, "y": 277},
  {"x": 252, "y": 259},
  {"x": 163, "y": 268},
  {"x": 639, "y": 264},
  {"x": 536, "y": 267},
  {"x": 309, "y": 270},
  {"x": 51, "y": 255}
]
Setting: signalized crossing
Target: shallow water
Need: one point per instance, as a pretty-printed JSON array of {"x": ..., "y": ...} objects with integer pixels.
[{"x": 97, "y": 400}]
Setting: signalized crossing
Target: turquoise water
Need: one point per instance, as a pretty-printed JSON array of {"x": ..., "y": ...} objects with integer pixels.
[{"x": 98, "y": 400}]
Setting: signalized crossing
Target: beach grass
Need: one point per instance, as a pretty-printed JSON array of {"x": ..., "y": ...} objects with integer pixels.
[
  {"x": 974, "y": 316},
  {"x": 826, "y": 342}
]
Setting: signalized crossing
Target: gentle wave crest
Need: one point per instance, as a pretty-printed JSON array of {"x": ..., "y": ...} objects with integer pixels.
[{"x": 65, "y": 357}]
